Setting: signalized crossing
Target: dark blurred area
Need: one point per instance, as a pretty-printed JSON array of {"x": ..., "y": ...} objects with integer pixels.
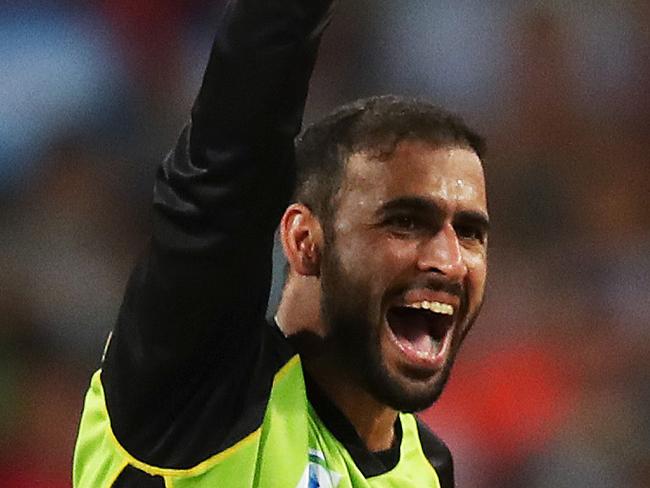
[{"x": 553, "y": 386}]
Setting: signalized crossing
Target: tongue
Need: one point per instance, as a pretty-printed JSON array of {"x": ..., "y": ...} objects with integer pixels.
[
  {"x": 411, "y": 328},
  {"x": 418, "y": 340}
]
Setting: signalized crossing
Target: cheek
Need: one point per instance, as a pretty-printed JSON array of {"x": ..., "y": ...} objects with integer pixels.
[
  {"x": 375, "y": 262},
  {"x": 390, "y": 257},
  {"x": 401, "y": 251},
  {"x": 476, "y": 273}
]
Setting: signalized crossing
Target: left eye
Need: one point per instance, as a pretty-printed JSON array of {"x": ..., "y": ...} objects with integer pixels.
[{"x": 469, "y": 232}]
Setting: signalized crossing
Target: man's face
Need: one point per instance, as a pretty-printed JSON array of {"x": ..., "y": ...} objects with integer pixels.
[{"x": 404, "y": 268}]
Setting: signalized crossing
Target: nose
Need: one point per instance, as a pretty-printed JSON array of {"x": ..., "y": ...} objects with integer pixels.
[{"x": 441, "y": 253}]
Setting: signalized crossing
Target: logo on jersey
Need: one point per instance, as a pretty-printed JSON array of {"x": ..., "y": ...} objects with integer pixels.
[{"x": 317, "y": 473}]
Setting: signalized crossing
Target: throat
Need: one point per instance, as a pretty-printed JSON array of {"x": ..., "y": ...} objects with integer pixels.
[{"x": 379, "y": 433}]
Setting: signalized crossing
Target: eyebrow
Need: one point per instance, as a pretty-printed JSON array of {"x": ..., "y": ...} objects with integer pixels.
[
  {"x": 474, "y": 217},
  {"x": 424, "y": 205}
]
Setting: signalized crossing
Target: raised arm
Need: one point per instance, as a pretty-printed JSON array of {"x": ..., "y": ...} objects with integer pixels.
[
  {"x": 219, "y": 195},
  {"x": 196, "y": 300}
]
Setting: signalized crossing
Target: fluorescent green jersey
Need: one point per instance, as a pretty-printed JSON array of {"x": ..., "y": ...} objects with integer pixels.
[{"x": 292, "y": 448}]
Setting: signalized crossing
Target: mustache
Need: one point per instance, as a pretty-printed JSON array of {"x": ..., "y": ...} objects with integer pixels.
[{"x": 436, "y": 283}]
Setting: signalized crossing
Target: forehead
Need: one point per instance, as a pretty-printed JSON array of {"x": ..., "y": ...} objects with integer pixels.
[{"x": 446, "y": 174}]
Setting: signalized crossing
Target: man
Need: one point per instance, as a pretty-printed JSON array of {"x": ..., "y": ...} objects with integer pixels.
[{"x": 386, "y": 249}]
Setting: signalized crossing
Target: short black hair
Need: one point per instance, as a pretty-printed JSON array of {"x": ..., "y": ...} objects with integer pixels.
[{"x": 375, "y": 124}]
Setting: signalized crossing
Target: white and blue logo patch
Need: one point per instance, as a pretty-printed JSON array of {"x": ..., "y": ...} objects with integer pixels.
[{"x": 317, "y": 474}]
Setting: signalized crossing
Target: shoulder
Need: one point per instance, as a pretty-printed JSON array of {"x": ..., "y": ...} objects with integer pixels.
[
  {"x": 438, "y": 454},
  {"x": 206, "y": 409}
]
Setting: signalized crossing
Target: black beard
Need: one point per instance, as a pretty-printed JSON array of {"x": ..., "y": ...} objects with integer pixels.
[{"x": 353, "y": 342}]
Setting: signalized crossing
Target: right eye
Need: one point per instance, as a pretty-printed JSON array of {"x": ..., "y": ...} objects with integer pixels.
[{"x": 402, "y": 222}]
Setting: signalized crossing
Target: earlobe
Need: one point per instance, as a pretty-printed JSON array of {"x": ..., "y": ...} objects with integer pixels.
[{"x": 301, "y": 236}]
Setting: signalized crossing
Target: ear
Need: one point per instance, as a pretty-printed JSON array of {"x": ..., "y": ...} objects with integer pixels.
[{"x": 302, "y": 239}]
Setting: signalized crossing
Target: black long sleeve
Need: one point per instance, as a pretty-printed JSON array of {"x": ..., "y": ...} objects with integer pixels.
[{"x": 192, "y": 322}]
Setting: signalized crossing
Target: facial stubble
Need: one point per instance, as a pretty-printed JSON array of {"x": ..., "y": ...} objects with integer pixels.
[{"x": 354, "y": 344}]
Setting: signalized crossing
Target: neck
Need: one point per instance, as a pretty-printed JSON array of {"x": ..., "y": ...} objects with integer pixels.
[
  {"x": 298, "y": 310},
  {"x": 373, "y": 421},
  {"x": 299, "y": 317}
]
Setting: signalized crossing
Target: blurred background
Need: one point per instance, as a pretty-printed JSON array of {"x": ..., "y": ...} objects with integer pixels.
[{"x": 552, "y": 388}]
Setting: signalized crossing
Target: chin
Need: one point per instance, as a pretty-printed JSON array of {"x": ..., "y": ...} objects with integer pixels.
[{"x": 403, "y": 391}]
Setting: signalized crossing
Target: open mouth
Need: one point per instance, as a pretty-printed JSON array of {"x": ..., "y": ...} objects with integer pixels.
[{"x": 421, "y": 329}]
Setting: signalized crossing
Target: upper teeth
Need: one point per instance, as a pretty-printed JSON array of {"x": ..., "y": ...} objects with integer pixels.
[{"x": 435, "y": 307}]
